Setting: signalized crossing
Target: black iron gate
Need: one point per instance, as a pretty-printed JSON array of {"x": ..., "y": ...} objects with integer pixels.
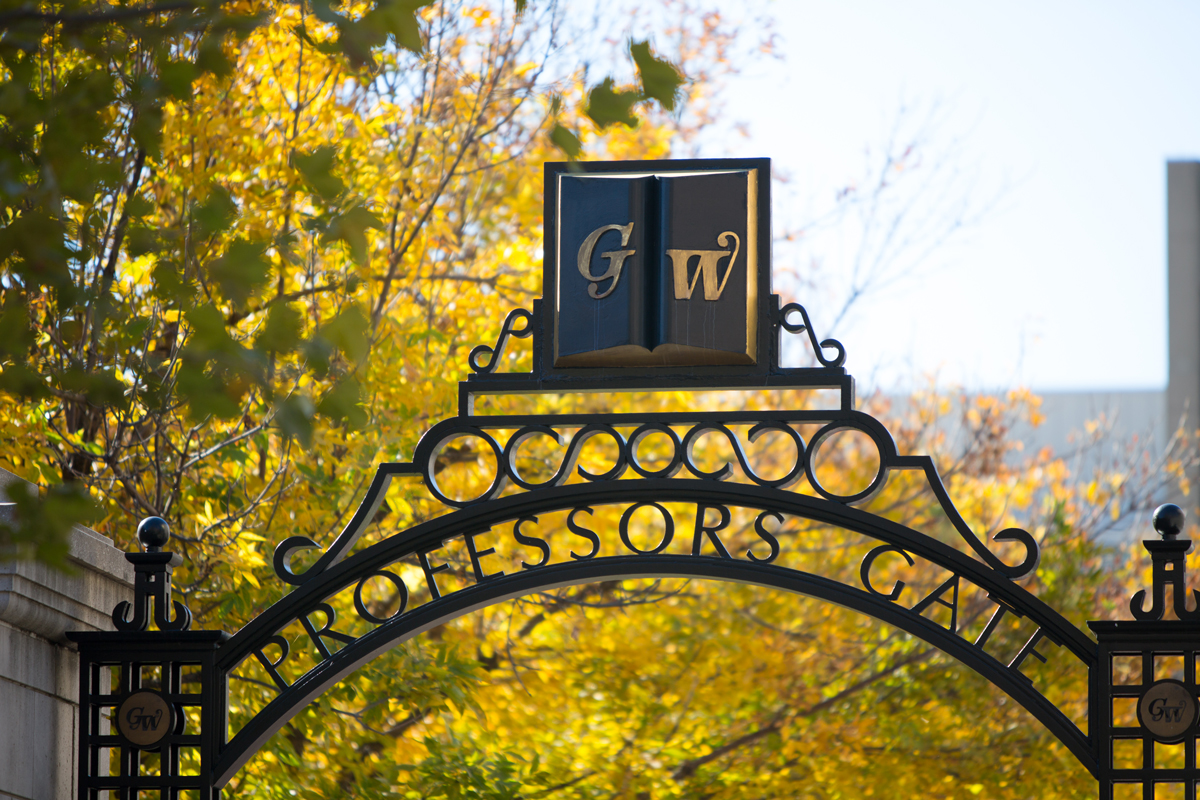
[{"x": 169, "y": 692}]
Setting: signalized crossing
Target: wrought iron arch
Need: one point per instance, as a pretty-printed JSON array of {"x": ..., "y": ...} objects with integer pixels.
[
  {"x": 630, "y": 482},
  {"x": 367, "y": 563}
]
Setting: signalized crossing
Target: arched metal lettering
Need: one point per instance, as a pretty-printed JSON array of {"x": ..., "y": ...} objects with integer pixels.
[{"x": 702, "y": 558}]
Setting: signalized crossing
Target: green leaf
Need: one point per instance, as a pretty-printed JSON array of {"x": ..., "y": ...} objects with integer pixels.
[
  {"x": 102, "y": 389},
  {"x": 208, "y": 332},
  {"x": 147, "y": 128},
  {"x": 176, "y": 77},
  {"x": 606, "y": 107},
  {"x": 342, "y": 404},
  {"x": 37, "y": 242},
  {"x": 140, "y": 239},
  {"x": 322, "y": 10},
  {"x": 18, "y": 379},
  {"x": 660, "y": 80},
  {"x": 348, "y": 332},
  {"x": 241, "y": 271},
  {"x": 564, "y": 140},
  {"x": 211, "y": 57},
  {"x": 205, "y": 393},
  {"x": 138, "y": 206},
  {"x": 132, "y": 332},
  {"x": 16, "y": 336},
  {"x": 41, "y": 523},
  {"x": 351, "y": 228},
  {"x": 316, "y": 169},
  {"x": 169, "y": 282},
  {"x": 358, "y": 41},
  {"x": 281, "y": 332},
  {"x": 217, "y": 213},
  {"x": 398, "y": 19},
  {"x": 294, "y": 417}
]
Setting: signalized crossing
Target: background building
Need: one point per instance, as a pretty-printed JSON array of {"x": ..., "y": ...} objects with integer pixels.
[{"x": 1089, "y": 428}]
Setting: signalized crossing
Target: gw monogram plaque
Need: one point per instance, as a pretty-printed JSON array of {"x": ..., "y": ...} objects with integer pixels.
[
  {"x": 1167, "y": 710},
  {"x": 657, "y": 264},
  {"x": 144, "y": 718}
]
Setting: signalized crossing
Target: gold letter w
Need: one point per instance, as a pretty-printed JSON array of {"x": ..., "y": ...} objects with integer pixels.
[{"x": 709, "y": 261}]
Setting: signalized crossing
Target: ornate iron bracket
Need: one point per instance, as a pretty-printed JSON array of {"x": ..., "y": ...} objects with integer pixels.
[
  {"x": 806, "y": 327},
  {"x": 152, "y": 582},
  {"x": 497, "y": 352}
]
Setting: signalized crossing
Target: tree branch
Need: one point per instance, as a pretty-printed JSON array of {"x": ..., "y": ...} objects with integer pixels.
[{"x": 8, "y": 18}]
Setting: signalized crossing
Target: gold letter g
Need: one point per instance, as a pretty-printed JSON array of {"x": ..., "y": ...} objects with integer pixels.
[{"x": 616, "y": 259}]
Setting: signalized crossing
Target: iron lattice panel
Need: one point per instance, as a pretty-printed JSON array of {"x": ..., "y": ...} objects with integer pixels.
[
  {"x": 181, "y": 667},
  {"x": 1132, "y": 657}
]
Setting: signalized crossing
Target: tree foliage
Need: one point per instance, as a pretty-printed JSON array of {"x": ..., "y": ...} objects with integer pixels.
[{"x": 212, "y": 214}]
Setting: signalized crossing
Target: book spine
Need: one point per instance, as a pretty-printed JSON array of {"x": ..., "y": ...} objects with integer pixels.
[
  {"x": 643, "y": 206},
  {"x": 657, "y": 272}
]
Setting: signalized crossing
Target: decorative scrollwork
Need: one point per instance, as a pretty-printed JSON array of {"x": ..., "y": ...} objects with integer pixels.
[
  {"x": 806, "y": 326},
  {"x": 679, "y": 455},
  {"x": 682, "y": 432},
  {"x": 346, "y": 539},
  {"x": 497, "y": 352}
]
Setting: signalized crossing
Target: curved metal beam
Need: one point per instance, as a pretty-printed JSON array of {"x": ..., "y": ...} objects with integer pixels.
[
  {"x": 371, "y": 645},
  {"x": 477, "y": 518},
  {"x": 436, "y": 612}
]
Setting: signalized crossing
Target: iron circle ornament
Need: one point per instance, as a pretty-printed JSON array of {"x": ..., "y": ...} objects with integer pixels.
[
  {"x": 1168, "y": 711},
  {"x": 814, "y": 447},
  {"x": 674, "y": 463},
  {"x": 144, "y": 719},
  {"x": 793, "y": 475},
  {"x": 511, "y": 455},
  {"x": 497, "y": 484},
  {"x": 588, "y": 432}
]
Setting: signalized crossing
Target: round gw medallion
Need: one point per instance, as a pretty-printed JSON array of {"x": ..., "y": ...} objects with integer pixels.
[
  {"x": 1168, "y": 710},
  {"x": 144, "y": 718}
]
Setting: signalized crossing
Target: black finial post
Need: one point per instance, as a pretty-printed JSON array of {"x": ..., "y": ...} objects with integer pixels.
[
  {"x": 1168, "y": 521},
  {"x": 1170, "y": 568},
  {"x": 153, "y": 533},
  {"x": 152, "y": 582}
]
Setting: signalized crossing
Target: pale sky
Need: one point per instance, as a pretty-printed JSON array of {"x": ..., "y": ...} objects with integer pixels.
[{"x": 1066, "y": 113}]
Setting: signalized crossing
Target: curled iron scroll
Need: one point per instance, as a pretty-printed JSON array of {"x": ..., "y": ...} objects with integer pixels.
[
  {"x": 806, "y": 326},
  {"x": 497, "y": 352},
  {"x": 346, "y": 539},
  {"x": 1019, "y": 535}
]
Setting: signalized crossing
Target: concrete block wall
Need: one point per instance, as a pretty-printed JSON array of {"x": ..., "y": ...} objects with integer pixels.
[{"x": 39, "y": 669}]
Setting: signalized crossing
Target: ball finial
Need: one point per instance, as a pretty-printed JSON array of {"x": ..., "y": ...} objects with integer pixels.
[
  {"x": 1168, "y": 520},
  {"x": 153, "y": 533}
]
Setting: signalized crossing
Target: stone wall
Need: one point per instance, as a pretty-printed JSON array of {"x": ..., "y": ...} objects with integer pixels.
[{"x": 39, "y": 669}]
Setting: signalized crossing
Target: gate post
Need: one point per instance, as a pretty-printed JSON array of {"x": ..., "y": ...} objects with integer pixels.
[
  {"x": 1143, "y": 710},
  {"x": 159, "y": 713},
  {"x": 38, "y": 665}
]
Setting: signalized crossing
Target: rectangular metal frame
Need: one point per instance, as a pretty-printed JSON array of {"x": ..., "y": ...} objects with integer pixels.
[{"x": 171, "y": 653}]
